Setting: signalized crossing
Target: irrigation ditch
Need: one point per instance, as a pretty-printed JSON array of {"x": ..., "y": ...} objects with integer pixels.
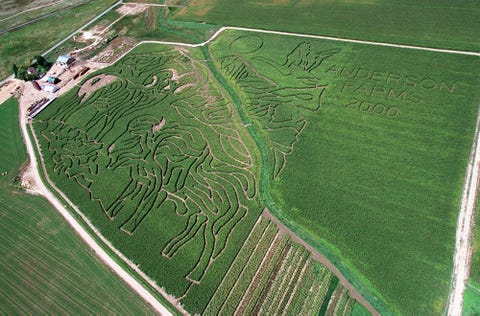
[{"x": 349, "y": 278}]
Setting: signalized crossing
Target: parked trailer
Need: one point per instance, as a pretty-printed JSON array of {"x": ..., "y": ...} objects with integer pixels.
[
  {"x": 36, "y": 85},
  {"x": 81, "y": 72},
  {"x": 36, "y": 108}
]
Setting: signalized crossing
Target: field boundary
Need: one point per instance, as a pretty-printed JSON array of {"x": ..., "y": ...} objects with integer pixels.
[{"x": 330, "y": 38}]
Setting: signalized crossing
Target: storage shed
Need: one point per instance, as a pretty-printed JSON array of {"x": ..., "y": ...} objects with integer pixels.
[{"x": 64, "y": 60}]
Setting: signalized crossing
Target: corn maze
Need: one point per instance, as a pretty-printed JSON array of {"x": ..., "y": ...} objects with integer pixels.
[
  {"x": 174, "y": 142},
  {"x": 157, "y": 156},
  {"x": 277, "y": 103}
]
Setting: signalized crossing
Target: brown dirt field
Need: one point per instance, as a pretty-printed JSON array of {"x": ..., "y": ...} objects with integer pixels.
[
  {"x": 115, "y": 49},
  {"x": 131, "y": 9},
  {"x": 88, "y": 88},
  {"x": 10, "y": 88}
]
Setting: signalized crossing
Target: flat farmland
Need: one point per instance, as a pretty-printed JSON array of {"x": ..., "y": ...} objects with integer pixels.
[
  {"x": 433, "y": 23},
  {"x": 44, "y": 267},
  {"x": 14, "y": 13},
  {"x": 154, "y": 153},
  {"x": 367, "y": 149}
]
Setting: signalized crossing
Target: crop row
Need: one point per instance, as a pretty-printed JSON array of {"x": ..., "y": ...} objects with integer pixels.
[
  {"x": 344, "y": 304},
  {"x": 221, "y": 294},
  {"x": 292, "y": 294},
  {"x": 245, "y": 278},
  {"x": 302, "y": 294},
  {"x": 319, "y": 284},
  {"x": 282, "y": 281},
  {"x": 272, "y": 275},
  {"x": 263, "y": 276},
  {"x": 340, "y": 303}
]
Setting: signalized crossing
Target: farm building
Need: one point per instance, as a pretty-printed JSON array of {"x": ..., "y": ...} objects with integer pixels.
[
  {"x": 64, "y": 60},
  {"x": 36, "y": 85},
  {"x": 50, "y": 88},
  {"x": 32, "y": 71},
  {"x": 51, "y": 79}
]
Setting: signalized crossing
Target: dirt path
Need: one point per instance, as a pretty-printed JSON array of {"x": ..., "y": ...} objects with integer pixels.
[
  {"x": 461, "y": 263},
  {"x": 318, "y": 257},
  {"x": 330, "y": 38},
  {"x": 124, "y": 10},
  {"x": 83, "y": 27},
  {"x": 38, "y": 187},
  {"x": 10, "y": 88}
]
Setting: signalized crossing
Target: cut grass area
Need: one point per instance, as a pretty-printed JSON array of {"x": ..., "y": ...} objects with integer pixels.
[
  {"x": 367, "y": 149},
  {"x": 13, "y": 152},
  {"x": 20, "y": 45},
  {"x": 434, "y": 23},
  {"x": 359, "y": 310},
  {"x": 45, "y": 268}
]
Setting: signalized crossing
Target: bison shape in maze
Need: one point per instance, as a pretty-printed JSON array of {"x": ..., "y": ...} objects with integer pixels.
[
  {"x": 175, "y": 165},
  {"x": 174, "y": 136},
  {"x": 280, "y": 100}
]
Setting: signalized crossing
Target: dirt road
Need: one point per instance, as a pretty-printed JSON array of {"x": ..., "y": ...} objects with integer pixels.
[
  {"x": 461, "y": 263},
  {"x": 330, "y": 38}
]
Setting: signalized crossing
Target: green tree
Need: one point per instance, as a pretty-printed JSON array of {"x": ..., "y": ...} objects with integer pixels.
[
  {"x": 41, "y": 61},
  {"x": 14, "y": 69}
]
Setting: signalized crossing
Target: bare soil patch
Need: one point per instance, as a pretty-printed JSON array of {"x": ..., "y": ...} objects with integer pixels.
[
  {"x": 154, "y": 81},
  {"x": 115, "y": 49},
  {"x": 131, "y": 8},
  {"x": 95, "y": 83},
  {"x": 10, "y": 88},
  {"x": 158, "y": 126}
]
